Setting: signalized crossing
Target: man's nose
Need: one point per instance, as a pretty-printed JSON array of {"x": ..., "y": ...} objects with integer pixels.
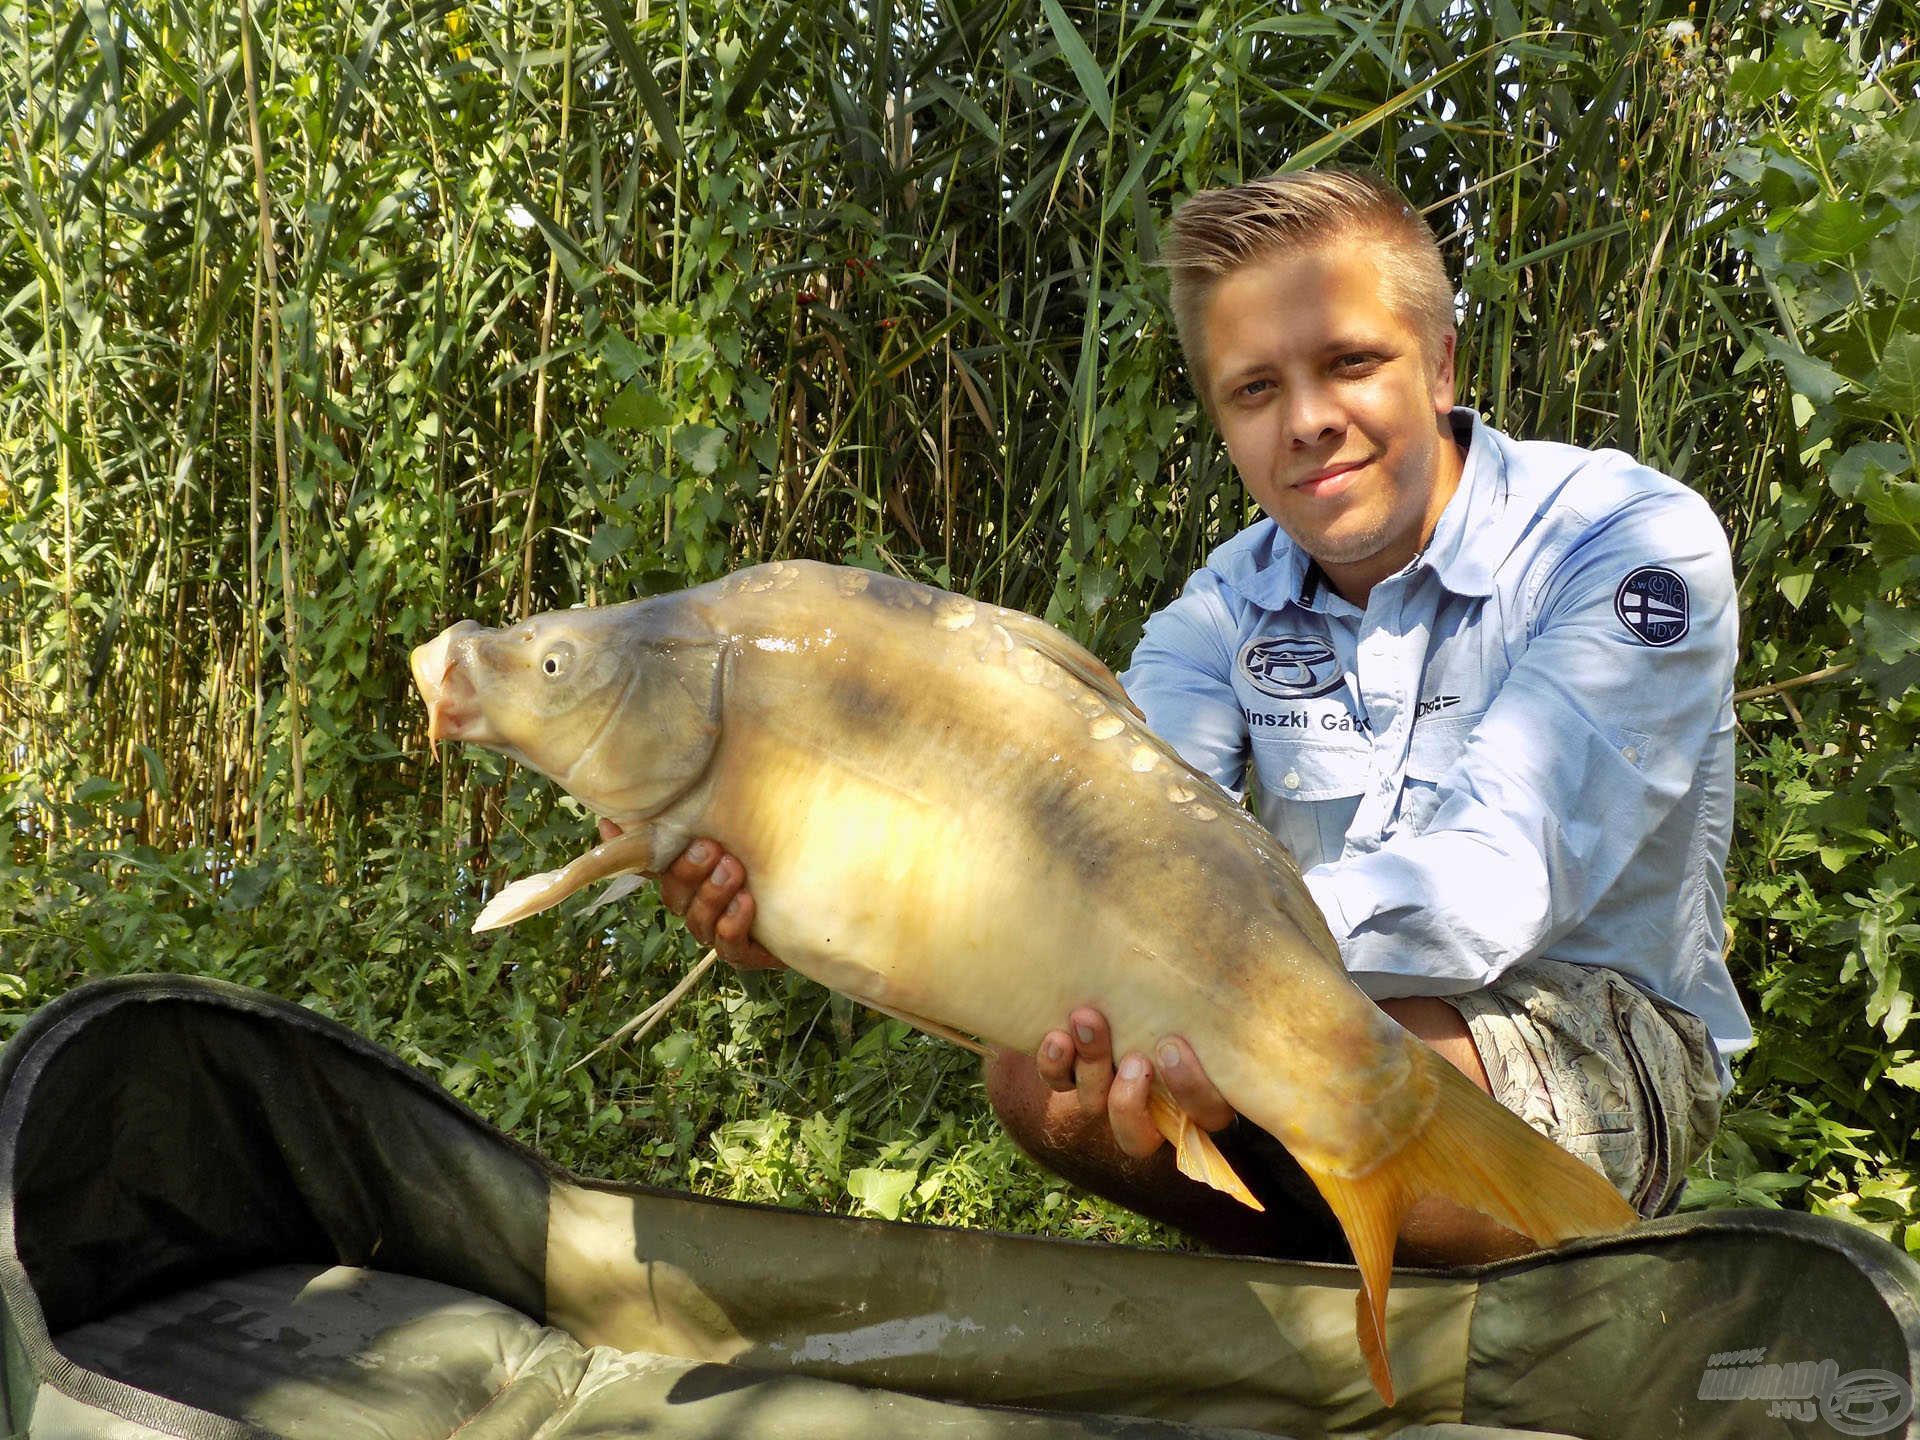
[{"x": 1313, "y": 415}]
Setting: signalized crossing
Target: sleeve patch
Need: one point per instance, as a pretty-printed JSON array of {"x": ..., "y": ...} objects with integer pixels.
[{"x": 1652, "y": 604}]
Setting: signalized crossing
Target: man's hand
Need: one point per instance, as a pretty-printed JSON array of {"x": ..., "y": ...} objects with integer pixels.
[
  {"x": 707, "y": 888},
  {"x": 1080, "y": 1059}
]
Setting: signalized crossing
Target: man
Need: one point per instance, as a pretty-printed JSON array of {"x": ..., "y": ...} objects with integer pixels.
[{"x": 1485, "y": 690}]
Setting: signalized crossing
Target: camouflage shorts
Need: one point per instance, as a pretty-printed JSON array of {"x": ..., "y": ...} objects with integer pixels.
[{"x": 1603, "y": 1068}]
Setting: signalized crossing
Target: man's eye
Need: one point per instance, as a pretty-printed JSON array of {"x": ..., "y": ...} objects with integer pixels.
[
  {"x": 1359, "y": 360},
  {"x": 1254, "y": 387}
]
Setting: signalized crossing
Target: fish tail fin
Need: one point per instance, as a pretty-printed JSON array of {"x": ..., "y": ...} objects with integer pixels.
[
  {"x": 1369, "y": 1210},
  {"x": 1480, "y": 1155},
  {"x": 1194, "y": 1151}
]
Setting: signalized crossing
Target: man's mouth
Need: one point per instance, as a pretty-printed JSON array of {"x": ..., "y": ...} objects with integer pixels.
[{"x": 1323, "y": 480}]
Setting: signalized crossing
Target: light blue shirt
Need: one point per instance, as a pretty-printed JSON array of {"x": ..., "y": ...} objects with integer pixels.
[{"x": 1522, "y": 747}]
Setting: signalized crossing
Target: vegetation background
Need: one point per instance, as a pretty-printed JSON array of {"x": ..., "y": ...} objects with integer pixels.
[{"x": 324, "y": 324}]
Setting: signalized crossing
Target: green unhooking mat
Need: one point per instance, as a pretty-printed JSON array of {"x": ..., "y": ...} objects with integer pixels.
[{"x": 222, "y": 1216}]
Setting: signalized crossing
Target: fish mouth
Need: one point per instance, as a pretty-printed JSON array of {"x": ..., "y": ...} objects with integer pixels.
[{"x": 440, "y": 675}]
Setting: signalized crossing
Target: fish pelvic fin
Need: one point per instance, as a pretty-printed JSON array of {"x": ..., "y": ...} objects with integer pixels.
[
  {"x": 1194, "y": 1151},
  {"x": 931, "y": 1027},
  {"x": 625, "y": 854},
  {"x": 1480, "y": 1155}
]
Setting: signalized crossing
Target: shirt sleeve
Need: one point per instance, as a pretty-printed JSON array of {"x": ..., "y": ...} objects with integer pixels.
[
  {"x": 1181, "y": 677},
  {"x": 1596, "y": 733}
]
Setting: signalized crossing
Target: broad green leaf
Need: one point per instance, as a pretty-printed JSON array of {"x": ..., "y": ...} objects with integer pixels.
[
  {"x": 1892, "y": 632},
  {"x": 1893, "y": 260},
  {"x": 639, "y": 407},
  {"x": 879, "y": 1190},
  {"x": 1860, "y": 464},
  {"x": 1827, "y": 230},
  {"x": 1896, "y": 384},
  {"x": 609, "y": 540},
  {"x": 1807, "y": 374},
  {"x": 1869, "y": 168},
  {"x": 701, "y": 446}
]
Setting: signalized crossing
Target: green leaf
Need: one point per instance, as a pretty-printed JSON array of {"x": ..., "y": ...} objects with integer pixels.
[
  {"x": 644, "y": 85},
  {"x": 94, "y": 790},
  {"x": 625, "y": 359},
  {"x": 1093, "y": 82},
  {"x": 1892, "y": 632},
  {"x": 1827, "y": 230},
  {"x": 639, "y": 407},
  {"x": 609, "y": 540},
  {"x": 701, "y": 446},
  {"x": 881, "y": 1191},
  {"x": 753, "y": 74},
  {"x": 1893, "y": 260},
  {"x": 249, "y": 886},
  {"x": 1807, "y": 374},
  {"x": 1896, "y": 384},
  {"x": 1863, "y": 463}
]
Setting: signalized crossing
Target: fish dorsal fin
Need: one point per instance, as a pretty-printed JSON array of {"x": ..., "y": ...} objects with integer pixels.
[
  {"x": 1193, "y": 1149},
  {"x": 1070, "y": 655}
]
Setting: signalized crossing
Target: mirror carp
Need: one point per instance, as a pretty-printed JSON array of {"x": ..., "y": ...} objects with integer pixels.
[{"x": 951, "y": 812}]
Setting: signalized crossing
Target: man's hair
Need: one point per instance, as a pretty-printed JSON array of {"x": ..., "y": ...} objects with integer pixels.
[{"x": 1216, "y": 232}]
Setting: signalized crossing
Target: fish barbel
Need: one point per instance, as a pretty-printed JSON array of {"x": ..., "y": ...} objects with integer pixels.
[{"x": 951, "y": 812}]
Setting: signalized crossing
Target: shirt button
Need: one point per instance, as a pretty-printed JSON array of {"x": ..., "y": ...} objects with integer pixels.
[
  {"x": 1630, "y": 755},
  {"x": 1291, "y": 780}
]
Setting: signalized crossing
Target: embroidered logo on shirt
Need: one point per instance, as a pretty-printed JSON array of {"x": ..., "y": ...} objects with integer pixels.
[
  {"x": 1652, "y": 603},
  {"x": 1292, "y": 668},
  {"x": 1434, "y": 704}
]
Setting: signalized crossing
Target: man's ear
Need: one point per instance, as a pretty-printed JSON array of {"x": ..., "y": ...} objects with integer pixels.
[{"x": 1443, "y": 375}]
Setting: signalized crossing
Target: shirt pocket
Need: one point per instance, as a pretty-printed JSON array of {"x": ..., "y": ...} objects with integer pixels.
[
  {"x": 1308, "y": 792},
  {"x": 1436, "y": 746}
]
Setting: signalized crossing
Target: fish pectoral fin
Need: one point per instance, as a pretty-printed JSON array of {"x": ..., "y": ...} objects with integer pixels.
[
  {"x": 931, "y": 1027},
  {"x": 622, "y": 855},
  {"x": 1193, "y": 1148},
  {"x": 617, "y": 888},
  {"x": 1480, "y": 1155}
]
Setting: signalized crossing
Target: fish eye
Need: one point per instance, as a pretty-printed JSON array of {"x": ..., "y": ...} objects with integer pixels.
[{"x": 557, "y": 659}]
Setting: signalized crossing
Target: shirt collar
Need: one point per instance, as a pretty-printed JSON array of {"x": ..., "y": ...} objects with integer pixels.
[{"x": 1480, "y": 524}]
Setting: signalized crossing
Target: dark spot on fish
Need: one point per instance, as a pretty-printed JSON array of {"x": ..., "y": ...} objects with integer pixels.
[
  {"x": 864, "y": 706},
  {"x": 1067, "y": 817},
  {"x": 898, "y": 594}
]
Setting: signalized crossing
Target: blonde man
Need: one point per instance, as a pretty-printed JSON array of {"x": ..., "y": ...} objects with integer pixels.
[{"x": 1480, "y": 687}]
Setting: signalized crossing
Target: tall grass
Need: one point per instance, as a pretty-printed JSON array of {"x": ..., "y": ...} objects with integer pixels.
[
  {"x": 554, "y": 303},
  {"x": 323, "y": 325}
]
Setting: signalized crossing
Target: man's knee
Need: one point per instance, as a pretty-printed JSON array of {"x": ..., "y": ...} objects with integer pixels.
[{"x": 1020, "y": 1099}]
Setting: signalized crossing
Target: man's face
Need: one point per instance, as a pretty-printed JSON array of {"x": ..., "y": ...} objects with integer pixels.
[{"x": 1334, "y": 415}]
